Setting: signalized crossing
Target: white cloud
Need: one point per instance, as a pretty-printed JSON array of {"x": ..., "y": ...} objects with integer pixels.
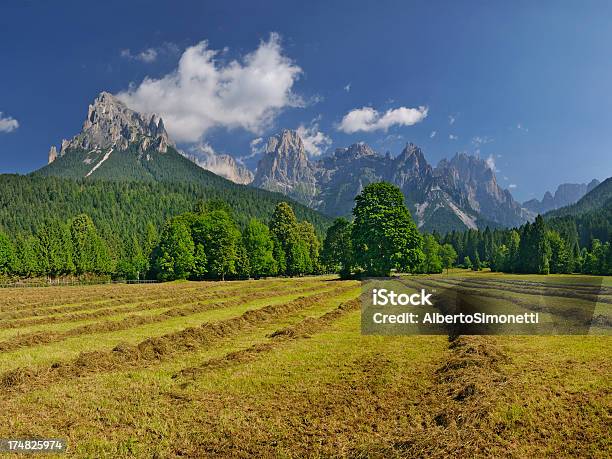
[
  {"x": 148, "y": 55},
  {"x": 433, "y": 134},
  {"x": 315, "y": 141},
  {"x": 8, "y": 123},
  {"x": 451, "y": 119},
  {"x": 347, "y": 88},
  {"x": 512, "y": 185},
  {"x": 204, "y": 93},
  {"x": 491, "y": 163},
  {"x": 258, "y": 146},
  {"x": 368, "y": 119},
  {"x": 452, "y": 137}
]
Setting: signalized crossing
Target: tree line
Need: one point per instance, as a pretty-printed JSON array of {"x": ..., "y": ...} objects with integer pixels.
[
  {"x": 541, "y": 247},
  {"x": 206, "y": 243},
  {"x": 209, "y": 242}
]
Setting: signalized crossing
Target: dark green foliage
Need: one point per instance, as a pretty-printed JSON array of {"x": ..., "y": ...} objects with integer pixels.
[
  {"x": 259, "y": 246},
  {"x": 432, "y": 262},
  {"x": 174, "y": 257},
  {"x": 7, "y": 255},
  {"x": 448, "y": 256},
  {"x": 476, "y": 266},
  {"x": 90, "y": 253},
  {"x": 467, "y": 263},
  {"x": 560, "y": 258},
  {"x": 296, "y": 244},
  {"x": 55, "y": 249},
  {"x": 337, "y": 254},
  {"x": 384, "y": 235},
  {"x": 218, "y": 234},
  {"x": 122, "y": 209}
]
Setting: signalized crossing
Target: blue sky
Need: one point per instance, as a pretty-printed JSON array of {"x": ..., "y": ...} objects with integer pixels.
[{"x": 526, "y": 84}]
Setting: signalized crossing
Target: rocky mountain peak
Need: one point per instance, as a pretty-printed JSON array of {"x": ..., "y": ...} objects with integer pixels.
[
  {"x": 221, "y": 164},
  {"x": 285, "y": 167},
  {"x": 566, "y": 194},
  {"x": 412, "y": 158},
  {"x": 110, "y": 123},
  {"x": 355, "y": 151}
]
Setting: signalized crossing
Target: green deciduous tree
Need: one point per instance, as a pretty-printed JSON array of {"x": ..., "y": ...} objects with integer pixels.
[
  {"x": 7, "y": 255},
  {"x": 174, "y": 257},
  {"x": 383, "y": 234},
  {"x": 259, "y": 249},
  {"x": 337, "y": 254},
  {"x": 448, "y": 255}
]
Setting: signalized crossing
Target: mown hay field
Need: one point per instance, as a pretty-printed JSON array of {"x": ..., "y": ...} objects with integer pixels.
[{"x": 279, "y": 368}]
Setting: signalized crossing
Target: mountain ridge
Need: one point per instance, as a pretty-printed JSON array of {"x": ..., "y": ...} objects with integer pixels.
[{"x": 461, "y": 192}]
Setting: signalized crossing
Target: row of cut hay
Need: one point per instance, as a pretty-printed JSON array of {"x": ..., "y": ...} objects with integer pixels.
[
  {"x": 455, "y": 413},
  {"x": 304, "y": 329},
  {"x": 153, "y": 350},
  {"x": 112, "y": 298},
  {"x": 573, "y": 283},
  {"x": 579, "y": 315},
  {"x": 47, "y": 336},
  {"x": 594, "y": 294},
  {"x": 150, "y": 301}
]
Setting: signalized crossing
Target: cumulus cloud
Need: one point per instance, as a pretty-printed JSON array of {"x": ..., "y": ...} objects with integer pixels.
[
  {"x": 204, "y": 93},
  {"x": 347, "y": 88},
  {"x": 8, "y": 123},
  {"x": 452, "y": 137},
  {"x": 512, "y": 186},
  {"x": 368, "y": 119},
  {"x": 433, "y": 134},
  {"x": 315, "y": 141},
  {"x": 451, "y": 119}
]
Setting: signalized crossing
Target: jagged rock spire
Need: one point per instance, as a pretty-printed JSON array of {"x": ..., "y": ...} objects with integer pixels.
[{"x": 110, "y": 123}]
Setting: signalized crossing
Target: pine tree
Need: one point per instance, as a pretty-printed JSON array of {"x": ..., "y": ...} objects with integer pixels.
[{"x": 540, "y": 247}]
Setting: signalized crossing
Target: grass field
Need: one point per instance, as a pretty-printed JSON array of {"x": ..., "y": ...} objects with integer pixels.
[{"x": 279, "y": 368}]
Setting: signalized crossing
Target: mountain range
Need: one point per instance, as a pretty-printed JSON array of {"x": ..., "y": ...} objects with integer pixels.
[
  {"x": 461, "y": 192},
  {"x": 458, "y": 193},
  {"x": 566, "y": 194}
]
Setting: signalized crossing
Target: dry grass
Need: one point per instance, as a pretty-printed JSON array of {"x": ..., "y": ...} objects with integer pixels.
[{"x": 278, "y": 368}]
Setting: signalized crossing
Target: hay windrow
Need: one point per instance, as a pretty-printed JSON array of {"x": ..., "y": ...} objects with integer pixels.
[
  {"x": 47, "y": 337},
  {"x": 155, "y": 349}
]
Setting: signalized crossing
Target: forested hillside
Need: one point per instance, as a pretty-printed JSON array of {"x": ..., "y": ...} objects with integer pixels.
[
  {"x": 122, "y": 209},
  {"x": 597, "y": 198}
]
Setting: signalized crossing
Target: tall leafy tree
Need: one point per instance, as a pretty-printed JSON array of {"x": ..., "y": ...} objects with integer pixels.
[
  {"x": 217, "y": 232},
  {"x": 56, "y": 253},
  {"x": 259, "y": 249},
  {"x": 448, "y": 256},
  {"x": 7, "y": 255},
  {"x": 174, "y": 257},
  {"x": 384, "y": 235},
  {"x": 337, "y": 254},
  {"x": 432, "y": 263}
]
